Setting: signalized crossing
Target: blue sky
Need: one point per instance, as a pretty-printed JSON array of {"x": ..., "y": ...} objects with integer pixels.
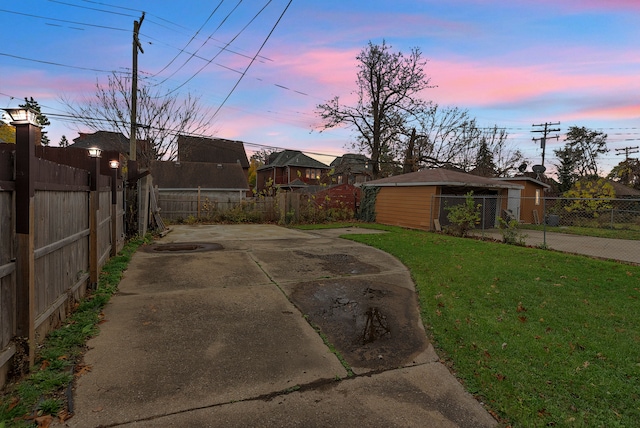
[{"x": 511, "y": 63}]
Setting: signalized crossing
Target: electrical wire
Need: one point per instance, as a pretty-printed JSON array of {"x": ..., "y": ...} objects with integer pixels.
[
  {"x": 30, "y": 15},
  {"x": 232, "y": 40},
  {"x": 97, "y": 70},
  {"x": 187, "y": 45},
  {"x": 252, "y": 61}
]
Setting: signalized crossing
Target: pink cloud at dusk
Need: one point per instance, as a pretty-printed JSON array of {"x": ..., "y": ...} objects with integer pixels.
[{"x": 472, "y": 84}]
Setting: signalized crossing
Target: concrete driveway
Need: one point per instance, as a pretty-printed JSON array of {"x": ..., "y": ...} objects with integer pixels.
[
  {"x": 223, "y": 334},
  {"x": 624, "y": 250}
]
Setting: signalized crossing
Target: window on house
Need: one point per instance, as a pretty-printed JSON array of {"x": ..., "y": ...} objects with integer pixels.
[
  {"x": 312, "y": 174},
  {"x": 537, "y": 196}
]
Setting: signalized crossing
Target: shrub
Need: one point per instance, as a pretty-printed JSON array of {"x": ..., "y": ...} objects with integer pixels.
[{"x": 463, "y": 217}]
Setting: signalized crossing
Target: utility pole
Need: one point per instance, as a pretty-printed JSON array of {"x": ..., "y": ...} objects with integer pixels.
[
  {"x": 545, "y": 132},
  {"x": 134, "y": 88},
  {"x": 627, "y": 151}
]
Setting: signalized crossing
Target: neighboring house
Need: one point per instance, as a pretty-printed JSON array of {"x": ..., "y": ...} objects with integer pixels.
[
  {"x": 526, "y": 205},
  {"x": 289, "y": 170},
  {"x": 112, "y": 141},
  {"x": 185, "y": 187},
  {"x": 351, "y": 168},
  {"x": 417, "y": 199},
  {"x": 216, "y": 150}
]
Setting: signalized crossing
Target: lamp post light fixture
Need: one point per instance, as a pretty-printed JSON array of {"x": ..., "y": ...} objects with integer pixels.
[
  {"x": 22, "y": 116},
  {"x": 114, "y": 164},
  {"x": 95, "y": 152}
]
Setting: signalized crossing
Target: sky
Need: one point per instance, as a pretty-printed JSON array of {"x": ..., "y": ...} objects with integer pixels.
[{"x": 510, "y": 63}]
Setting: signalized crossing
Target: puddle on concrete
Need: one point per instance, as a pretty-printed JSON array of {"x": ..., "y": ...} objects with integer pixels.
[
  {"x": 373, "y": 324},
  {"x": 182, "y": 247}
]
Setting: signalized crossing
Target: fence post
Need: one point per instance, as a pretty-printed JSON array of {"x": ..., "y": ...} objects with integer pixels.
[
  {"x": 94, "y": 207},
  {"x": 27, "y": 137},
  {"x": 114, "y": 208}
]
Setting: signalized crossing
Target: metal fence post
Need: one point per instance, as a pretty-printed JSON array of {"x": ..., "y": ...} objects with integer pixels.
[{"x": 544, "y": 222}]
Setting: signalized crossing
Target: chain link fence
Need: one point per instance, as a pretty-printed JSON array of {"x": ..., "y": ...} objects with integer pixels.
[{"x": 599, "y": 227}]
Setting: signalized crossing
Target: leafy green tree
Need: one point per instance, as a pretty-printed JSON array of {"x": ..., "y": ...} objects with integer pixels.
[
  {"x": 587, "y": 145},
  {"x": 590, "y": 196},
  {"x": 627, "y": 172},
  {"x": 40, "y": 118}
]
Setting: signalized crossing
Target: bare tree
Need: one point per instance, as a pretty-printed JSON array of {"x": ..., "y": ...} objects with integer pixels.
[
  {"x": 505, "y": 156},
  {"x": 450, "y": 137},
  {"x": 161, "y": 117},
  {"x": 447, "y": 137},
  {"x": 388, "y": 87}
]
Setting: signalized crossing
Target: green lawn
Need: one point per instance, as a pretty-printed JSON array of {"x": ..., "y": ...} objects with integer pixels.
[{"x": 544, "y": 338}]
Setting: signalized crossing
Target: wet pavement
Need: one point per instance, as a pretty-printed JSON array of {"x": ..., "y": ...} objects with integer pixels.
[
  {"x": 624, "y": 250},
  {"x": 223, "y": 325}
]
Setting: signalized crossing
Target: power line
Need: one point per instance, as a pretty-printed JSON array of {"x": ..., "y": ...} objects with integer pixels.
[
  {"x": 57, "y": 64},
  {"x": 627, "y": 151},
  {"x": 30, "y": 15},
  {"x": 255, "y": 56},
  {"x": 235, "y": 37},
  {"x": 188, "y": 43}
]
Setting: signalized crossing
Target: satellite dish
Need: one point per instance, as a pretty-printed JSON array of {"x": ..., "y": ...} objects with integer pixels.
[
  {"x": 538, "y": 169},
  {"x": 522, "y": 168}
]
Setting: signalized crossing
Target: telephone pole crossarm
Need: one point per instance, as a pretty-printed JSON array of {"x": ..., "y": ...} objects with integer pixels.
[{"x": 545, "y": 132}]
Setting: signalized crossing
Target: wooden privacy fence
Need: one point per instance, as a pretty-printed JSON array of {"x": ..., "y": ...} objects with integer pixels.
[{"x": 58, "y": 226}]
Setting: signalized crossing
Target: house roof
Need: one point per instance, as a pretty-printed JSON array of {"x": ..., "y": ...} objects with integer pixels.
[
  {"x": 524, "y": 178},
  {"x": 351, "y": 163},
  {"x": 191, "y": 175},
  {"x": 441, "y": 177},
  {"x": 292, "y": 158},
  {"x": 218, "y": 150},
  {"x": 622, "y": 190},
  {"x": 104, "y": 140}
]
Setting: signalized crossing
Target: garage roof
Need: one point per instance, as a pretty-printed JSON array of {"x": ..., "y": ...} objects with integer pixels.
[{"x": 441, "y": 177}]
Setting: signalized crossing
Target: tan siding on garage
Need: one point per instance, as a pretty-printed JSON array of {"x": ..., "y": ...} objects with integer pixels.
[{"x": 405, "y": 206}]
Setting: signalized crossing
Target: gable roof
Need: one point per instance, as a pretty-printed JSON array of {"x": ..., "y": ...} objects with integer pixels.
[
  {"x": 292, "y": 158},
  {"x": 191, "y": 175},
  {"x": 218, "y": 150},
  {"x": 104, "y": 140},
  {"x": 441, "y": 177}
]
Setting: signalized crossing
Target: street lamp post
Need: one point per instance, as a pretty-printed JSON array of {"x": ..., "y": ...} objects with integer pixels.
[
  {"x": 94, "y": 208},
  {"x": 114, "y": 165}
]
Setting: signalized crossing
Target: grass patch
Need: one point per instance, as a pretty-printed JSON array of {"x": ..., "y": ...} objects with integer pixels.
[
  {"x": 41, "y": 392},
  {"x": 544, "y": 338}
]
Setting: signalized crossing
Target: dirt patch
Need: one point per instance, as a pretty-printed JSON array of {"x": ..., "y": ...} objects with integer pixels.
[
  {"x": 373, "y": 324},
  {"x": 341, "y": 264}
]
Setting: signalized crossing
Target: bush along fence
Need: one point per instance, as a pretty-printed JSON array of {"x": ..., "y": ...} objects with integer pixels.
[
  {"x": 607, "y": 214},
  {"x": 58, "y": 226},
  {"x": 612, "y": 225},
  {"x": 282, "y": 208}
]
